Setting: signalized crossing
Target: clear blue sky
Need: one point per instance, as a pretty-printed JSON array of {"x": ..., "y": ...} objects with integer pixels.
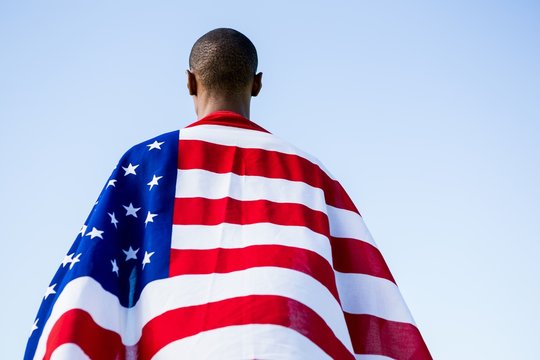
[{"x": 428, "y": 113}]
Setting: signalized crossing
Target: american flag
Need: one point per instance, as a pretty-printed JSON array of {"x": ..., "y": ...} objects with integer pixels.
[{"x": 221, "y": 241}]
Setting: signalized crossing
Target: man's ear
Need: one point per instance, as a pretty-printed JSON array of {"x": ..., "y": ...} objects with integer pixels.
[
  {"x": 191, "y": 83},
  {"x": 257, "y": 84}
]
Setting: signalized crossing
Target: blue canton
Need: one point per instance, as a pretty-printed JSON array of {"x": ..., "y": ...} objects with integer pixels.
[{"x": 125, "y": 242}]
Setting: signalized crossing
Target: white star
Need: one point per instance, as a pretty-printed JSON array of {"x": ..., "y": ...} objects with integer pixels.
[
  {"x": 113, "y": 220},
  {"x": 112, "y": 183},
  {"x": 75, "y": 260},
  {"x": 50, "y": 290},
  {"x": 149, "y": 218},
  {"x": 130, "y": 210},
  {"x": 130, "y": 169},
  {"x": 114, "y": 267},
  {"x": 34, "y": 326},
  {"x": 155, "y": 145},
  {"x": 146, "y": 259},
  {"x": 154, "y": 181},
  {"x": 68, "y": 259},
  {"x": 95, "y": 233},
  {"x": 83, "y": 229},
  {"x": 130, "y": 253}
]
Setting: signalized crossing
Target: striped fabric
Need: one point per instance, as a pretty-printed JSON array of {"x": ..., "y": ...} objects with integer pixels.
[
  {"x": 268, "y": 258},
  {"x": 251, "y": 207}
]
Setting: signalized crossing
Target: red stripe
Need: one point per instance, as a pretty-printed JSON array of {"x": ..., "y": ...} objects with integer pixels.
[
  {"x": 356, "y": 256},
  {"x": 373, "y": 335},
  {"x": 202, "y": 211},
  {"x": 77, "y": 326},
  {"x": 196, "y": 154},
  {"x": 254, "y": 309},
  {"x": 228, "y": 118},
  {"x": 349, "y": 255},
  {"x": 222, "y": 260}
]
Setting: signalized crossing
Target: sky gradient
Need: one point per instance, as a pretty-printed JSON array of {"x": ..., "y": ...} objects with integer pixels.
[{"x": 428, "y": 114}]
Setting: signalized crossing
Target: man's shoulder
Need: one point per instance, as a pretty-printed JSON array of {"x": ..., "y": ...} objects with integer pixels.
[
  {"x": 149, "y": 160},
  {"x": 165, "y": 142},
  {"x": 294, "y": 150}
]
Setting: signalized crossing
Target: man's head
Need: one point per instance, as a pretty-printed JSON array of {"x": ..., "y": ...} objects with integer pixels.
[{"x": 224, "y": 62}]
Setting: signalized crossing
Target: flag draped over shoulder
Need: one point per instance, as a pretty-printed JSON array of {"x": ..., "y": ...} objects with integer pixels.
[{"x": 221, "y": 241}]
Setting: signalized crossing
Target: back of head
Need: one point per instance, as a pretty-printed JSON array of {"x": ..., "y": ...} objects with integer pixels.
[{"x": 224, "y": 60}]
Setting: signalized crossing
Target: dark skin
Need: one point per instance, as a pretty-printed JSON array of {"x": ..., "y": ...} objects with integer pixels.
[{"x": 207, "y": 101}]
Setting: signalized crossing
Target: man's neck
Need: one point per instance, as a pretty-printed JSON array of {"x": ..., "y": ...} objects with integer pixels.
[{"x": 206, "y": 104}]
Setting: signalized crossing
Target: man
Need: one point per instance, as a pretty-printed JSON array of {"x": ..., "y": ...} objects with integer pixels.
[{"x": 221, "y": 241}]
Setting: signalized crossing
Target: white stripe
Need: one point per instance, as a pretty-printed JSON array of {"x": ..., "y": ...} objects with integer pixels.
[
  {"x": 243, "y": 342},
  {"x": 162, "y": 295},
  {"x": 348, "y": 224},
  {"x": 372, "y": 357},
  {"x": 245, "y": 138},
  {"x": 359, "y": 293},
  {"x": 233, "y": 236},
  {"x": 69, "y": 352},
  {"x": 366, "y": 294},
  {"x": 210, "y": 185}
]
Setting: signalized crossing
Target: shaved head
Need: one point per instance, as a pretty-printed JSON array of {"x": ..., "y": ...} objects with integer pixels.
[{"x": 224, "y": 60}]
